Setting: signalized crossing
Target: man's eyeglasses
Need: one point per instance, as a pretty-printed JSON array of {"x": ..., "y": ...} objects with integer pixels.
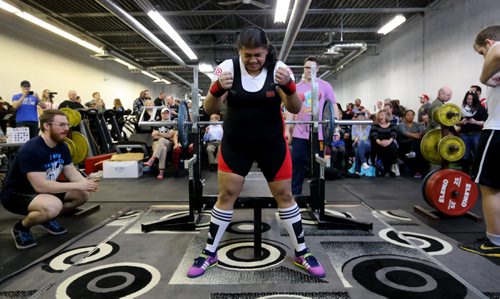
[{"x": 60, "y": 124}]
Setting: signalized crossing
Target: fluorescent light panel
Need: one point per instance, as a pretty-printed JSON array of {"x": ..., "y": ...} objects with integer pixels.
[
  {"x": 150, "y": 75},
  {"x": 9, "y": 8},
  {"x": 205, "y": 68},
  {"x": 392, "y": 24},
  {"x": 281, "y": 11},
  {"x": 172, "y": 33},
  {"x": 30, "y": 18},
  {"x": 120, "y": 61}
]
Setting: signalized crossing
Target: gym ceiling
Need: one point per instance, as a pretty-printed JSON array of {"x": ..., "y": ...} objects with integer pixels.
[{"x": 210, "y": 28}]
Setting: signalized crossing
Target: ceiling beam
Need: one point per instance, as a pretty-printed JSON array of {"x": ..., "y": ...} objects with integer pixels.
[
  {"x": 296, "y": 44},
  {"x": 257, "y": 12},
  {"x": 232, "y": 31}
]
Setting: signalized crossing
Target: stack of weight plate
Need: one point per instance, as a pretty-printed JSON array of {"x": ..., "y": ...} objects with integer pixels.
[
  {"x": 434, "y": 146},
  {"x": 77, "y": 144}
]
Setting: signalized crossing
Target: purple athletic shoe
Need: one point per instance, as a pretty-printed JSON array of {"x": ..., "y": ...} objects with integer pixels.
[
  {"x": 206, "y": 260},
  {"x": 309, "y": 263}
]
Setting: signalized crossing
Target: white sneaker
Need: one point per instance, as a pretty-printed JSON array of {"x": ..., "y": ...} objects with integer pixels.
[
  {"x": 365, "y": 166},
  {"x": 411, "y": 155}
]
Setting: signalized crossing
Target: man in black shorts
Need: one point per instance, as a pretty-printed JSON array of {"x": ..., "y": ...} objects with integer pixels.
[
  {"x": 31, "y": 188},
  {"x": 487, "y": 160}
]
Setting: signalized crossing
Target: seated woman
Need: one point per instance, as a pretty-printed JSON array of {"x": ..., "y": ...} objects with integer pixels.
[
  {"x": 360, "y": 135},
  {"x": 163, "y": 137},
  {"x": 383, "y": 137},
  {"x": 410, "y": 134}
]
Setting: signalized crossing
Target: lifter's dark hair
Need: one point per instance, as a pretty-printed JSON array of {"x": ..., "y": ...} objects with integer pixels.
[
  {"x": 48, "y": 117},
  {"x": 490, "y": 32},
  {"x": 254, "y": 37}
]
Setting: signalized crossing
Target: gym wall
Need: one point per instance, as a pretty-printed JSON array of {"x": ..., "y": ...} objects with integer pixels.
[
  {"x": 48, "y": 61},
  {"x": 424, "y": 54}
]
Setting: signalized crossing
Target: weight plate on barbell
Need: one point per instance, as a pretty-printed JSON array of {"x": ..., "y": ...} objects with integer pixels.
[
  {"x": 71, "y": 146},
  {"x": 81, "y": 147},
  {"x": 448, "y": 114},
  {"x": 429, "y": 146},
  {"x": 451, "y": 148},
  {"x": 328, "y": 124},
  {"x": 184, "y": 129}
]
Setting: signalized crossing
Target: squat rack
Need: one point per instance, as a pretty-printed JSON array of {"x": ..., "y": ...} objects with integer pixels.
[{"x": 189, "y": 131}]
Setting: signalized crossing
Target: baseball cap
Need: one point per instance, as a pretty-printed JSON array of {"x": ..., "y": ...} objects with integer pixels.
[
  {"x": 165, "y": 110},
  {"x": 424, "y": 96},
  {"x": 25, "y": 83}
]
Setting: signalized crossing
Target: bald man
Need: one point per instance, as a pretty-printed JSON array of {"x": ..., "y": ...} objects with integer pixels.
[
  {"x": 72, "y": 101},
  {"x": 444, "y": 95}
]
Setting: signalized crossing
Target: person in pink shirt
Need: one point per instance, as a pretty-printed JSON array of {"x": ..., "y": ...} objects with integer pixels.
[{"x": 300, "y": 135}]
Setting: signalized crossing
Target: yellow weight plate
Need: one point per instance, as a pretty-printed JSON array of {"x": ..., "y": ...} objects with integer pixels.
[
  {"x": 429, "y": 146},
  {"x": 78, "y": 118},
  {"x": 81, "y": 147},
  {"x": 70, "y": 115},
  {"x": 451, "y": 148},
  {"x": 71, "y": 146},
  {"x": 448, "y": 115}
]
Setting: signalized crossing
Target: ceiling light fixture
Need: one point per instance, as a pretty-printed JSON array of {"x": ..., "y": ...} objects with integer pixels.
[
  {"x": 150, "y": 75},
  {"x": 120, "y": 61},
  {"x": 30, "y": 18},
  {"x": 281, "y": 11},
  {"x": 172, "y": 33},
  {"x": 392, "y": 24},
  {"x": 205, "y": 68},
  {"x": 9, "y": 8}
]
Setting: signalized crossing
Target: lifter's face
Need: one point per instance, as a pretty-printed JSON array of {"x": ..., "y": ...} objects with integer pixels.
[{"x": 253, "y": 59}]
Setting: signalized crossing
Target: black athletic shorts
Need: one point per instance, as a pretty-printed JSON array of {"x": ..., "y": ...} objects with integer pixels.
[
  {"x": 18, "y": 203},
  {"x": 486, "y": 169}
]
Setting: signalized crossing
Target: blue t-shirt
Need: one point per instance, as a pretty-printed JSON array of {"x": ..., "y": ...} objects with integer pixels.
[
  {"x": 35, "y": 156},
  {"x": 28, "y": 109}
]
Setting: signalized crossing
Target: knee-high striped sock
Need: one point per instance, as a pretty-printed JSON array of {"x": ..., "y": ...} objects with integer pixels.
[
  {"x": 291, "y": 219},
  {"x": 219, "y": 221}
]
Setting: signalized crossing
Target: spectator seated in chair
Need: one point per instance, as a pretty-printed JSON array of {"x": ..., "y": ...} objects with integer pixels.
[
  {"x": 212, "y": 139},
  {"x": 163, "y": 137},
  {"x": 383, "y": 137},
  {"x": 337, "y": 149},
  {"x": 360, "y": 135}
]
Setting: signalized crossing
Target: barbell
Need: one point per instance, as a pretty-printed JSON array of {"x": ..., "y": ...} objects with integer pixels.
[{"x": 184, "y": 122}]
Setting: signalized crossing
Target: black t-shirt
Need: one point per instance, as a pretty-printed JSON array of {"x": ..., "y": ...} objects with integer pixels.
[
  {"x": 70, "y": 104},
  {"x": 35, "y": 156},
  {"x": 480, "y": 115}
]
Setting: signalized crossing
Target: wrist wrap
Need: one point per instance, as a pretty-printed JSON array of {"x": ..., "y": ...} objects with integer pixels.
[
  {"x": 289, "y": 88},
  {"x": 216, "y": 89}
]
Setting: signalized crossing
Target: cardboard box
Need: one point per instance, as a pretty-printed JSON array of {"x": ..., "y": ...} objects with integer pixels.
[
  {"x": 128, "y": 157},
  {"x": 122, "y": 169}
]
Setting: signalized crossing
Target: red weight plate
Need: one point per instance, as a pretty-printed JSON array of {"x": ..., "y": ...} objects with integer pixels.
[{"x": 451, "y": 192}]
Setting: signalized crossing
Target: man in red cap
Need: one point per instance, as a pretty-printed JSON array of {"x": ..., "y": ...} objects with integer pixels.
[{"x": 424, "y": 109}]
